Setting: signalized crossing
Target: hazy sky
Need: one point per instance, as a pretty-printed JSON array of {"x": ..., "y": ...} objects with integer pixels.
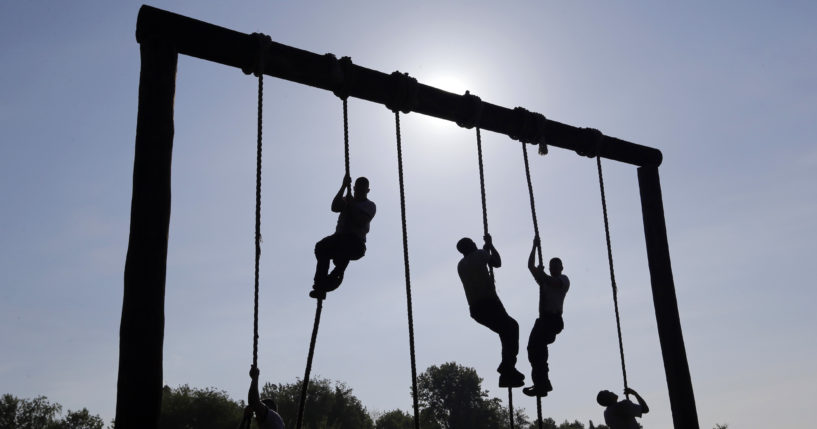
[{"x": 726, "y": 90}]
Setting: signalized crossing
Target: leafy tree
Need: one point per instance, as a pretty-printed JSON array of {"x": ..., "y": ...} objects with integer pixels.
[
  {"x": 328, "y": 405},
  {"x": 185, "y": 407},
  {"x": 82, "y": 419},
  {"x": 721, "y": 426},
  {"x": 452, "y": 397},
  {"x": 39, "y": 413},
  {"x": 395, "y": 419}
]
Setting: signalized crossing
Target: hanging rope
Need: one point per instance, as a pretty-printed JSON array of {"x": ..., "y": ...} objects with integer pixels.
[
  {"x": 539, "y": 410},
  {"x": 257, "y": 68},
  {"x": 612, "y": 271},
  {"x": 318, "y": 309},
  {"x": 305, "y": 385},
  {"x": 257, "y": 217},
  {"x": 485, "y": 230},
  {"x": 407, "y": 272},
  {"x": 510, "y": 405},
  {"x": 532, "y": 203},
  {"x": 346, "y": 137},
  {"x": 482, "y": 187}
]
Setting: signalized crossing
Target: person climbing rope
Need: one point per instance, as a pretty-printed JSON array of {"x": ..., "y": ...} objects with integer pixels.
[
  {"x": 485, "y": 306},
  {"x": 266, "y": 411},
  {"x": 622, "y": 414},
  {"x": 348, "y": 243},
  {"x": 552, "y": 291}
]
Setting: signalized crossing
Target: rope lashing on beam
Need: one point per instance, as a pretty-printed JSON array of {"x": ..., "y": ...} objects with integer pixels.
[
  {"x": 341, "y": 74},
  {"x": 591, "y": 143},
  {"x": 263, "y": 42},
  {"x": 530, "y": 127},
  {"x": 402, "y": 93},
  {"x": 470, "y": 111}
]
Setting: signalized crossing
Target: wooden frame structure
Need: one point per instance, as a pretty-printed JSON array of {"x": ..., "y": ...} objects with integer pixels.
[{"x": 164, "y": 35}]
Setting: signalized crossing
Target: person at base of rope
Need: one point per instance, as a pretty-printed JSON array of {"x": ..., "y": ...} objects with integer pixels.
[
  {"x": 485, "y": 306},
  {"x": 348, "y": 243},
  {"x": 622, "y": 414},
  {"x": 552, "y": 291},
  {"x": 266, "y": 411}
]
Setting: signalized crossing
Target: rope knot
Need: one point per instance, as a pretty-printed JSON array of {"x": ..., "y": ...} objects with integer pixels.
[
  {"x": 530, "y": 127},
  {"x": 591, "y": 142},
  {"x": 403, "y": 92},
  {"x": 470, "y": 110},
  {"x": 341, "y": 75},
  {"x": 257, "y": 67}
]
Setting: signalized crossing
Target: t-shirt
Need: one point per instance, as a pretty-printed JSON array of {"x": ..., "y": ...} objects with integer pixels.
[
  {"x": 355, "y": 217},
  {"x": 622, "y": 414},
  {"x": 476, "y": 280},
  {"x": 272, "y": 421},
  {"x": 552, "y": 292}
]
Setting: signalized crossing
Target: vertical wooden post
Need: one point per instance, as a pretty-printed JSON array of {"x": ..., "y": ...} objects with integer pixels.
[
  {"x": 682, "y": 399},
  {"x": 141, "y": 332}
]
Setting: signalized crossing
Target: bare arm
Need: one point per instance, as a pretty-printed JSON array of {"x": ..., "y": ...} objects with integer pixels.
[
  {"x": 253, "y": 399},
  {"x": 532, "y": 257},
  {"x": 644, "y": 408},
  {"x": 495, "y": 260},
  {"x": 338, "y": 203}
]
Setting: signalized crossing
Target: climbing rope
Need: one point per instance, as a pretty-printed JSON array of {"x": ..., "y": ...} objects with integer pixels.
[
  {"x": 257, "y": 217},
  {"x": 257, "y": 68},
  {"x": 482, "y": 187},
  {"x": 346, "y": 137},
  {"x": 485, "y": 230},
  {"x": 532, "y": 203},
  {"x": 612, "y": 272},
  {"x": 305, "y": 384},
  {"x": 539, "y": 411},
  {"x": 319, "y": 307},
  {"x": 408, "y": 275}
]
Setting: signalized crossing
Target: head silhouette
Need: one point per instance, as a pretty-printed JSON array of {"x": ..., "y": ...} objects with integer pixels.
[
  {"x": 361, "y": 187},
  {"x": 466, "y": 245},
  {"x": 606, "y": 398},
  {"x": 270, "y": 403},
  {"x": 556, "y": 267}
]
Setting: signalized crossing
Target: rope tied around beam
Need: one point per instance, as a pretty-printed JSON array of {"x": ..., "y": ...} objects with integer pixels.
[
  {"x": 530, "y": 127},
  {"x": 590, "y": 143},
  {"x": 341, "y": 75},
  {"x": 403, "y": 92},
  {"x": 257, "y": 67},
  {"x": 470, "y": 111}
]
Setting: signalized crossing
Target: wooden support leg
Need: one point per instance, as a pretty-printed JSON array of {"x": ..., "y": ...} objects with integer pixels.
[
  {"x": 141, "y": 332},
  {"x": 679, "y": 384}
]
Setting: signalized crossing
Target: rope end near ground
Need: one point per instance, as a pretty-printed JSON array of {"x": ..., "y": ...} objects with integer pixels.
[
  {"x": 510, "y": 406},
  {"x": 311, "y": 354}
]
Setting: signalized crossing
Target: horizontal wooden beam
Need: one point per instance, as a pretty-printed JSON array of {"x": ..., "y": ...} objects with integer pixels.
[{"x": 213, "y": 43}]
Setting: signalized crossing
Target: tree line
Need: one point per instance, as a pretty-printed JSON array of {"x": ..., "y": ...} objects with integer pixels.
[{"x": 450, "y": 397}]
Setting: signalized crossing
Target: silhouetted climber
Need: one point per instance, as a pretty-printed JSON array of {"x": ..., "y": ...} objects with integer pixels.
[
  {"x": 266, "y": 411},
  {"x": 348, "y": 243},
  {"x": 622, "y": 414},
  {"x": 552, "y": 291},
  {"x": 485, "y": 306}
]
